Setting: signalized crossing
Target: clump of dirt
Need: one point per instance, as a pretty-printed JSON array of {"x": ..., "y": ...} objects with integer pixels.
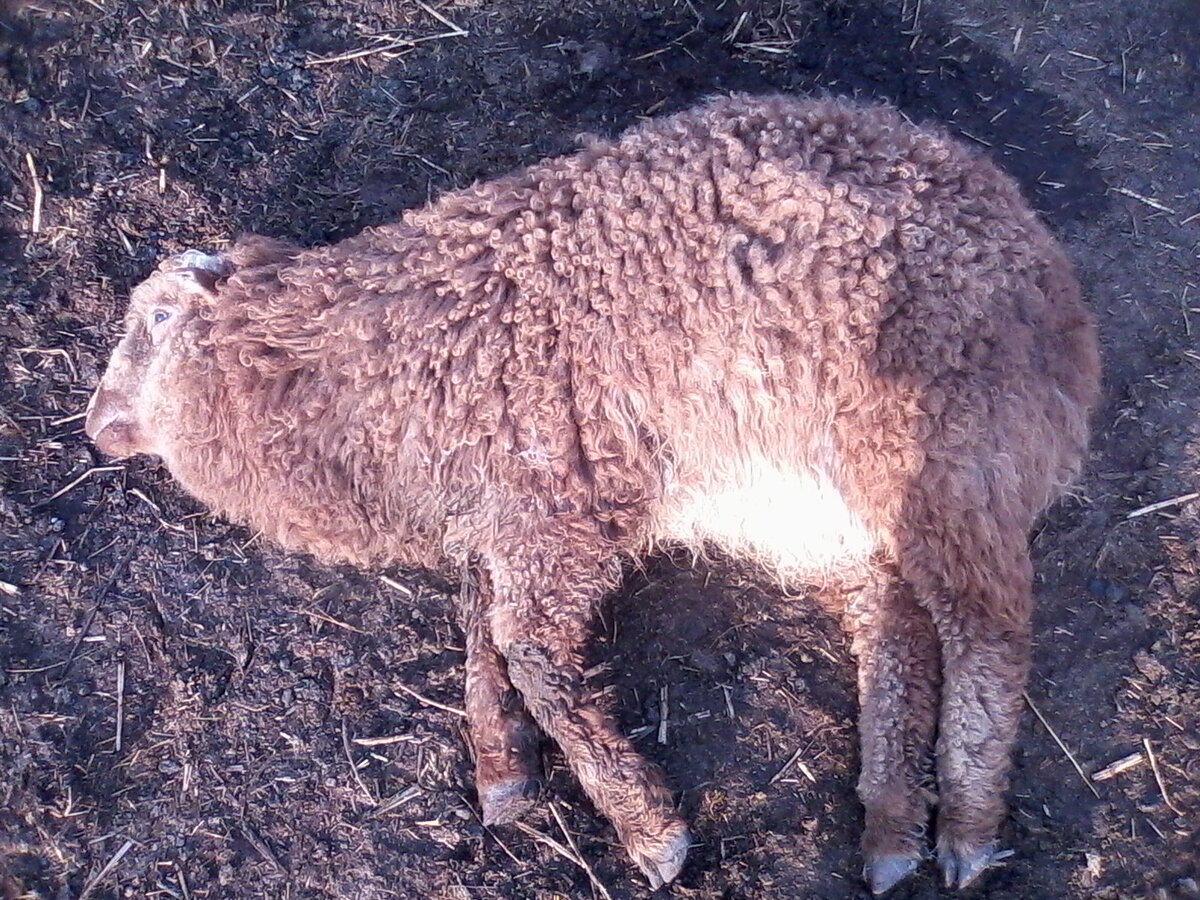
[{"x": 185, "y": 712}]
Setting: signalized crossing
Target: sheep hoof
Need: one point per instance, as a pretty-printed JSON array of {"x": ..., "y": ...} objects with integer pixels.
[
  {"x": 885, "y": 871},
  {"x": 506, "y": 801},
  {"x": 961, "y": 864},
  {"x": 661, "y": 864}
]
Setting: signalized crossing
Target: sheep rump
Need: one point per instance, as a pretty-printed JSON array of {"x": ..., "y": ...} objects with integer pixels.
[{"x": 804, "y": 331}]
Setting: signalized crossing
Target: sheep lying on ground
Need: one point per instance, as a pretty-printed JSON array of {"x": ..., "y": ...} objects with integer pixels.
[{"x": 802, "y": 331}]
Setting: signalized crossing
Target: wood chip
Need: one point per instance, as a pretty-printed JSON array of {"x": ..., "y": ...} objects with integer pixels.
[{"x": 1124, "y": 764}]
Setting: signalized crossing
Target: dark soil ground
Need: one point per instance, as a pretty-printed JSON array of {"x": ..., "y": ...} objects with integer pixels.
[{"x": 186, "y": 713}]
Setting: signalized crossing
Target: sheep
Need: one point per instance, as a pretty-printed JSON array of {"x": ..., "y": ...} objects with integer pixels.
[{"x": 801, "y": 331}]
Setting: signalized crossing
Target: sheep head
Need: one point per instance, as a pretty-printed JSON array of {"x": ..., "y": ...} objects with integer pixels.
[{"x": 131, "y": 409}]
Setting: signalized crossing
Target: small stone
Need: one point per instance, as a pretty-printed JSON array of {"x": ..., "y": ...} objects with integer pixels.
[{"x": 1115, "y": 593}]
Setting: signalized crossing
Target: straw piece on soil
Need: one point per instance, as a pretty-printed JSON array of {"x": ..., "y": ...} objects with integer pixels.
[
  {"x": 371, "y": 798},
  {"x": 120, "y": 730},
  {"x": 664, "y": 710},
  {"x": 566, "y": 854},
  {"x": 1142, "y": 198},
  {"x": 793, "y": 760},
  {"x": 562, "y": 826},
  {"x": 95, "y": 880},
  {"x": 1061, "y": 746},
  {"x": 35, "y": 224},
  {"x": 456, "y": 30},
  {"x": 261, "y": 846},
  {"x": 420, "y": 698},
  {"x": 1124, "y": 764},
  {"x": 1162, "y": 788},
  {"x": 396, "y": 800},
  {"x": 321, "y": 617},
  {"x": 1163, "y": 504},
  {"x": 396, "y": 585}
]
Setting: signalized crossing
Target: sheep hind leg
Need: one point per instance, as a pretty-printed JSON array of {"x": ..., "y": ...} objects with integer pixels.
[
  {"x": 504, "y": 738},
  {"x": 540, "y": 622},
  {"x": 979, "y": 593},
  {"x": 898, "y": 680}
]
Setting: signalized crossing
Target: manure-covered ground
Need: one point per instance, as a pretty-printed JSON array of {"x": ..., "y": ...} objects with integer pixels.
[{"x": 186, "y": 712}]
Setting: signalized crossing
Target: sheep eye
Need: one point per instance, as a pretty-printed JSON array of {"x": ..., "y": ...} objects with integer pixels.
[{"x": 159, "y": 316}]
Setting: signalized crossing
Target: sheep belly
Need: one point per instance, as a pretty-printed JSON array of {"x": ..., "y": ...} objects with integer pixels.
[{"x": 793, "y": 522}]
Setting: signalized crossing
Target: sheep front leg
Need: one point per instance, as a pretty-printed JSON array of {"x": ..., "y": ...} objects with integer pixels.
[
  {"x": 504, "y": 738},
  {"x": 540, "y": 620},
  {"x": 898, "y": 681}
]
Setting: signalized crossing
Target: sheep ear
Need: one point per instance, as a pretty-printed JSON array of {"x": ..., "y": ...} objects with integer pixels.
[
  {"x": 196, "y": 271},
  {"x": 195, "y": 281},
  {"x": 198, "y": 259}
]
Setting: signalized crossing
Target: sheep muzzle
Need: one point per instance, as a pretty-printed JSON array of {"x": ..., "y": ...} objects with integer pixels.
[{"x": 111, "y": 425}]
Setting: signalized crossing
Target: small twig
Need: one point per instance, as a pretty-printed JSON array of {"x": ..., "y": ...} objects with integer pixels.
[
  {"x": 457, "y": 30},
  {"x": 398, "y": 44},
  {"x": 261, "y": 846},
  {"x": 396, "y": 800},
  {"x": 95, "y": 880},
  {"x": 565, "y": 853},
  {"x": 359, "y": 54},
  {"x": 1142, "y": 198},
  {"x": 36, "y": 225},
  {"x": 120, "y": 705},
  {"x": 1158, "y": 777},
  {"x": 1061, "y": 745},
  {"x": 1124, "y": 764},
  {"x": 396, "y": 585},
  {"x": 1163, "y": 504},
  {"x": 425, "y": 700},
  {"x": 492, "y": 834},
  {"x": 562, "y": 826},
  {"x": 664, "y": 710},
  {"x": 793, "y": 761},
  {"x": 95, "y": 470},
  {"x": 332, "y": 621},
  {"x": 99, "y": 598},
  {"x": 383, "y": 741},
  {"x": 183, "y": 886},
  {"x": 353, "y": 768}
]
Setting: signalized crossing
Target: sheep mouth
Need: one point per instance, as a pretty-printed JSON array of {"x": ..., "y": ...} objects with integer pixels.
[{"x": 116, "y": 438}]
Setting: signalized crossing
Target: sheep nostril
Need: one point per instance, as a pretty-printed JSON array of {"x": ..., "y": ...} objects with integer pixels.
[{"x": 104, "y": 409}]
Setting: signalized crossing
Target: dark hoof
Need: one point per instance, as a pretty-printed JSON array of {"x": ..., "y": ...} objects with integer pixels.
[
  {"x": 504, "y": 802},
  {"x": 661, "y": 861},
  {"x": 884, "y": 872},
  {"x": 961, "y": 864}
]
